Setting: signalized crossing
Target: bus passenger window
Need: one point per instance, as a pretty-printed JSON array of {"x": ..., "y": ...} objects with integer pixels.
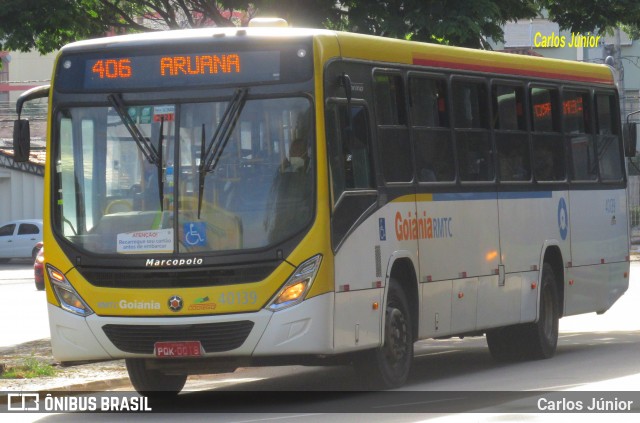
[
  {"x": 470, "y": 104},
  {"x": 475, "y": 162},
  {"x": 350, "y": 149},
  {"x": 508, "y": 108},
  {"x": 428, "y": 102},
  {"x": 393, "y": 133},
  {"x": 548, "y": 144},
  {"x": 577, "y": 127},
  {"x": 544, "y": 114},
  {"x": 512, "y": 142},
  {"x": 389, "y": 100},
  {"x": 607, "y": 139},
  {"x": 474, "y": 156},
  {"x": 430, "y": 126}
]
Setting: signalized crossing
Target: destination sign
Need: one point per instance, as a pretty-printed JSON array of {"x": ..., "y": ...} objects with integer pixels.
[{"x": 131, "y": 72}]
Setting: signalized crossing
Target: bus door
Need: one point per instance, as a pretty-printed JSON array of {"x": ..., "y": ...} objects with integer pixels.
[{"x": 596, "y": 212}]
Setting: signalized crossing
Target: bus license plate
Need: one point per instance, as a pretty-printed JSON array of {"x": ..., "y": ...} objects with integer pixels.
[{"x": 178, "y": 349}]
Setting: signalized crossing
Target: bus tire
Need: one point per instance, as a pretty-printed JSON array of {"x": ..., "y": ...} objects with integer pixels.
[
  {"x": 388, "y": 366},
  {"x": 531, "y": 340},
  {"x": 152, "y": 382},
  {"x": 543, "y": 334}
]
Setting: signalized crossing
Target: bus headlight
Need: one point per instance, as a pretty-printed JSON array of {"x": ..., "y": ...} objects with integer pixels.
[
  {"x": 297, "y": 286},
  {"x": 69, "y": 299}
]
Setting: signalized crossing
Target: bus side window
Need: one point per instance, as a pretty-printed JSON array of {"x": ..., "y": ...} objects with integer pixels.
[
  {"x": 577, "y": 127},
  {"x": 430, "y": 127},
  {"x": 389, "y": 100},
  {"x": 475, "y": 157},
  {"x": 512, "y": 142},
  {"x": 393, "y": 133},
  {"x": 607, "y": 138},
  {"x": 350, "y": 149},
  {"x": 548, "y": 146}
]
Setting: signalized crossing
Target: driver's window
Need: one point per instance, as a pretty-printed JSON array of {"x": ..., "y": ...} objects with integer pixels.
[{"x": 350, "y": 149}]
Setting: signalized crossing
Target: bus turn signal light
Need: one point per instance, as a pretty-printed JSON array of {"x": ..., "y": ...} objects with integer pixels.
[{"x": 296, "y": 287}]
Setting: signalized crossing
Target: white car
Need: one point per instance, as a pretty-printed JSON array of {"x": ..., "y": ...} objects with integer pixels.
[{"x": 18, "y": 239}]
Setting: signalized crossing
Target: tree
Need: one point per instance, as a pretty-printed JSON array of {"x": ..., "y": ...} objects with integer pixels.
[
  {"x": 456, "y": 22},
  {"x": 46, "y": 25},
  {"x": 594, "y": 15},
  {"x": 43, "y": 25}
]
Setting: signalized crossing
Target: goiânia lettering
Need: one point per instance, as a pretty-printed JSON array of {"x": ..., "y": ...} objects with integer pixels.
[{"x": 422, "y": 227}]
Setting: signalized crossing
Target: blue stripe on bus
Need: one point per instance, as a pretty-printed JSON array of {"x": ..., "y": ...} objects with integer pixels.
[
  {"x": 469, "y": 196},
  {"x": 518, "y": 195},
  {"x": 464, "y": 196}
]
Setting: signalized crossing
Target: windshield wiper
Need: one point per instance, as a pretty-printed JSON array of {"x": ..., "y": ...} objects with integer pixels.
[
  {"x": 210, "y": 156},
  {"x": 145, "y": 146},
  {"x": 159, "y": 166},
  {"x": 149, "y": 152}
]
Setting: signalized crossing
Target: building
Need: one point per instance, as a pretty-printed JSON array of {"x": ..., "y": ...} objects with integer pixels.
[
  {"x": 22, "y": 184},
  {"x": 21, "y": 187}
]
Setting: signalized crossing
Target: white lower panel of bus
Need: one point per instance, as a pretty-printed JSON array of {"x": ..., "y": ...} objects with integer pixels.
[
  {"x": 302, "y": 329},
  {"x": 595, "y": 288}
]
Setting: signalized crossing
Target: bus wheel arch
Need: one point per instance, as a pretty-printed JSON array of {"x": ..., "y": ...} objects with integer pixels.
[
  {"x": 538, "y": 339},
  {"x": 403, "y": 273},
  {"x": 553, "y": 257},
  {"x": 388, "y": 365}
]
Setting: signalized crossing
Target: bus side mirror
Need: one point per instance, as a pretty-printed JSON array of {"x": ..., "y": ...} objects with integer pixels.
[
  {"x": 21, "y": 132},
  {"x": 21, "y": 140},
  {"x": 630, "y": 139}
]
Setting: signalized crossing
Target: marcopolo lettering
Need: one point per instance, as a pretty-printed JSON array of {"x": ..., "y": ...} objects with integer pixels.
[{"x": 173, "y": 262}]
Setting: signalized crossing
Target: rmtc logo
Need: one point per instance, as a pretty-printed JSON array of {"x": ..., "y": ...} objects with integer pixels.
[{"x": 414, "y": 227}]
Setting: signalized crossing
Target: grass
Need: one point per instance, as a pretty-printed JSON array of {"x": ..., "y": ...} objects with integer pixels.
[{"x": 31, "y": 368}]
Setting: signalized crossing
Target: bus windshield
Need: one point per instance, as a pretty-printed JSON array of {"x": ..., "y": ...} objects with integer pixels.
[{"x": 165, "y": 181}]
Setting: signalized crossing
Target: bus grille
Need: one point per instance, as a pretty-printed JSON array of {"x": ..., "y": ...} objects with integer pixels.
[
  {"x": 175, "y": 278},
  {"x": 214, "y": 337}
]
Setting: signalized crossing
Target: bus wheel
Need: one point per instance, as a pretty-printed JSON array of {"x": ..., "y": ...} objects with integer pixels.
[
  {"x": 532, "y": 340},
  {"x": 543, "y": 335},
  {"x": 388, "y": 366},
  {"x": 152, "y": 382}
]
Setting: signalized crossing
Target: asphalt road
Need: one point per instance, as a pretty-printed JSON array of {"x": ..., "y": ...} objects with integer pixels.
[
  {"x": 23, "y": 316},
  {"x": 452, "y": 381}
]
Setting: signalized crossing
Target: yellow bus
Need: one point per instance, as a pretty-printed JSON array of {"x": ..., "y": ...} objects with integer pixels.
[{"x": 218, "y": 198}]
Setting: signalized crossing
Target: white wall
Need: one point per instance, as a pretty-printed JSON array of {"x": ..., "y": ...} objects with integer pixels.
[{"x": 23, "y": 193}]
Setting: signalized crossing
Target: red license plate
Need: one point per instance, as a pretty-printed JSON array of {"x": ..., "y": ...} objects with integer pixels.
[{"x": 177, "y": 349}]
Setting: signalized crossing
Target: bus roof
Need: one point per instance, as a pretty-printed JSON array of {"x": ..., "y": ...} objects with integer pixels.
[
  {"x": 381, "y": 49},
  {"x": 472, "y": 60}
]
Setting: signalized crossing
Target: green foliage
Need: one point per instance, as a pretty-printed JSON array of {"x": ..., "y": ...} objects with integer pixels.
[
  {"x": 455, "y": 22},
  {"x": 592, "y": 15},
  {"x": 31, "y": 368},
  {"x": 46, "y": 25}
]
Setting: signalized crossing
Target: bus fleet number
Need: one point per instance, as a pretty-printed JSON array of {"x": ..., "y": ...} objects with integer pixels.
[
  {"x": 610, "y": 205},
  {"x": 238, "y": 298}
]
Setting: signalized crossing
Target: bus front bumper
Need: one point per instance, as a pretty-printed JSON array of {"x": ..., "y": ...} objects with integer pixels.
[{"x": 299, "y": 330}]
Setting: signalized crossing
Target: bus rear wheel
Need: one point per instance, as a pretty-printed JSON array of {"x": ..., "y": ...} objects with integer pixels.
[
  {"x": 153, "y": 382},
  {"x": 537, "y": 340},
  {"x": 388, "y": 366}
]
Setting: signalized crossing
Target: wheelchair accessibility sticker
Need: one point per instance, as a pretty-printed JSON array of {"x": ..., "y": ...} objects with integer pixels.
[
  {"x": 195, "y": 234},
  {"x": 563, "y": 219}
]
